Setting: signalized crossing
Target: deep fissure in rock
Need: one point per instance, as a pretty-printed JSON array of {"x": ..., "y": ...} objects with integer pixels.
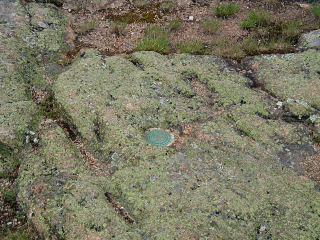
[{"x": 119, "y": 209}]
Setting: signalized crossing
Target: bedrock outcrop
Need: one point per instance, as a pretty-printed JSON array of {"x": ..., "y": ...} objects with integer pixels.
[{"x": 242, "y": 164}]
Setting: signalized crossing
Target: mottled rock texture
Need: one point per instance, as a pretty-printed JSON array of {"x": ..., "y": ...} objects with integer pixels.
[{"x": 233, "y": 172}]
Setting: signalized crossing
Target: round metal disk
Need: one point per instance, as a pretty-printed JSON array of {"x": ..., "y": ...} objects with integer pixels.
[{"x": 158, "y": 137}]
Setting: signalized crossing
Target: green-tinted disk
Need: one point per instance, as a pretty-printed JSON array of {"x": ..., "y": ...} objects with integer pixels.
[{"x": 158, "y": 137}]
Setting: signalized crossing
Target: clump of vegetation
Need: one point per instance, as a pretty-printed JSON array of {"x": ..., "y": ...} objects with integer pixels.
[
  {"x": 256, "y": 19},
  {"x": 316, "y": 139},
  {"x": 277, "y": 37},
  {"x": 271, "y": 1},
  {"x": 131, "y": 17},
  {"x": 290, "y": 31},
  {"x": 168, "y": 6},
  {"x": 25, "y": 232},
  {"x": 250, "y": 46},
  {"x": 174, "y": 24},
  {"x": 9, "y": 197},
  {"x": 211, "y": 26},
  {"x": 141, "y": 3},
  {"x": 86, "y": 26},
  {"x": 316, "y": 10},
  {"x": 226, "y": 48},
  {"x": 192, "y": 46},
  {"x": 155, "y": 39},
  {"x": 118, "y": 28},
  {"x": 226, "y": 10}
]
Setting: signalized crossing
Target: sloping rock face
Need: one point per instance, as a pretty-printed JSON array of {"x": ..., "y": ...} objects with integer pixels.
[
  {"x": 310, "y": 40},
  {"x": 222, "y": 178},
  {"x": 234, "y": 170},
  {"x": 18, "y": 112}
]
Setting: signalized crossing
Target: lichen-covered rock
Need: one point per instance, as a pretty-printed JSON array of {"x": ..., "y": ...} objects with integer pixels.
[
  {"x": 222, "y": 177},
  {"x": 310, "y": 40},
  {"x": 294, "y": 78},
  {"x": 18, "y": 112},
  {"x": 26, "y": 31},
  {"x": 62, "y": 198},
  {"x": 49, "y": 29}
]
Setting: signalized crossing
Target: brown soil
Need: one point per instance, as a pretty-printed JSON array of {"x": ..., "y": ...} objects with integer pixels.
[{"x": 101, "y": 37}]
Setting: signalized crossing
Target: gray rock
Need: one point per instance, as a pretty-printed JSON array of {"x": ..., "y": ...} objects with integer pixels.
[
  {"x": 42, "y": 25},
  {"x": 310, "y": 40}
]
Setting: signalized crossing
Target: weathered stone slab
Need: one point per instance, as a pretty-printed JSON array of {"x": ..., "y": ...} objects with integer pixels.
[
  {"x": 310, "y": 40},
  {"x": 294, "y": 78},
  {"x": 63, "y": 199},
  {"x": 221, "y": 178},
  {"x": 17, "y": 111}
]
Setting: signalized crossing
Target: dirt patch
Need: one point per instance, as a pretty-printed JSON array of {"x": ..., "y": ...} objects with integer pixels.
[
  {"x": 311, "y": 166},
  {"x": 188, "y": 19}
]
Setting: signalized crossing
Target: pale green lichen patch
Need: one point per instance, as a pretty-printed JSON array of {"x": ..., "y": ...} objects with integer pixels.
[
  {"x": 123, "y": 96},
  {"x": 297, "y": 76},
  {"x": 221, "y": 178},
  {"x": 63, "y": 198},
  {"x": 310, "y": 40},
  {"x": 18, "y": 112},
  {"x": 299, "y": 108},
  {"x": 225, "y": 186},
  {"x": 49, "y": 28}
]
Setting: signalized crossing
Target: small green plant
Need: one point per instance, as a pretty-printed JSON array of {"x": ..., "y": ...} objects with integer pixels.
[
  {"x": 174, "y": 25},
  {"x": 192, "y": 46},
  {"x": 277, "y": 45},
  {"x": 168, "y": 6},
  {"x": 141, "y": 3},
  {"x": 316, "y": 10},
  {"x": 211, "y": 26},
  {"x": 316, "y": 139},
  {"x": 272, "y": 2},
  {"x": 250, "y": 46},
  {"x": 132, "y": 17},
  {"x": 22, "y": 233},
  {"x": 155, "y": 39},
  {"x": 118, "y": 28},
  {"x": 291, "y": 30},
  {"x": 86, "y": 26},
  {"x": 226, "y": 48},
  {"x": 256, "y": 19},
  {"x": 9, "y": 197},
  {"x": 226, "y": 10}
]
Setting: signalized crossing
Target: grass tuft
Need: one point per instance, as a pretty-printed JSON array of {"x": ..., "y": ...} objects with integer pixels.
[
  {"x": 25, "y": 232},
  {"x": 174, "y": 24},
  {"x": 155, "y": 39},
  {"x": 192, "y": 46},
  {"x": 141, "y": 3},
  {"x": 226, "y": 10},
  {"x": 9, "y": 197},
  {"x": 226, "y": 48},
  {"x": 316, "y": 10},
  {"x": 118, "y": 28},
  {"x": 168, "y": 6},
  {"x": 211, "y": 26},
  {"x": 256, "y": 19},
  {"x": 86, "y": 26},
  {"x": 250, "y": 46}
]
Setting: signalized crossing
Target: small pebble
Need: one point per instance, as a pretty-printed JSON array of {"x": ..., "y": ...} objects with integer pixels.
[
  {"x": 305, "y": 5},
  {"x": 263, "y": 229},
  {"x": 42, "y": 25}
]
